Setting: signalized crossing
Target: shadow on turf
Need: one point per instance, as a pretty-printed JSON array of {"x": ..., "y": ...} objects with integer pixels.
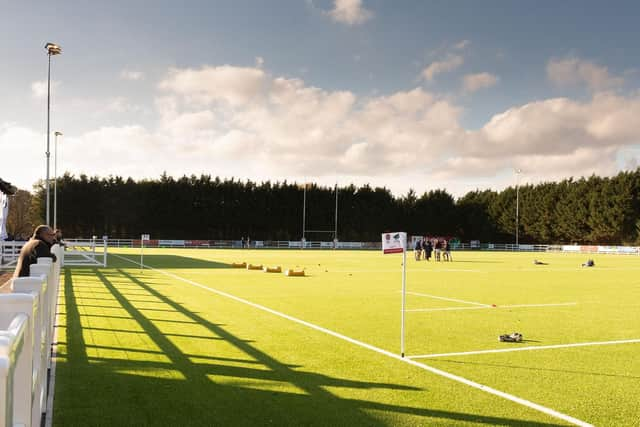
[
  {"x": 538, "y": 369},
  {"x": 86, "y": 386},
  {"x": 165, "y": 261}
]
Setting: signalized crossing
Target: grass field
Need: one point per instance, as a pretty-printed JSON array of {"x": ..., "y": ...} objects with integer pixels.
[{"x": 190, "y": 341}]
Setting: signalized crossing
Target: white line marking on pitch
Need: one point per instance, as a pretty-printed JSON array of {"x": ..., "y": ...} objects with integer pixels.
[
  {"x": 537, "y": 305},
  {"x": 488, "y": 306},
  {"x": 539, "y": 347},
  {"x": 431, "y": 369},
  {"x": 448, "y": 299}
]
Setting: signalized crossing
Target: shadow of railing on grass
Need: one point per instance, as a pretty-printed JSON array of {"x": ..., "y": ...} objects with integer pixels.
[
  {"x": 136, "y": 393},
  {"x": 164, "y": 261}
]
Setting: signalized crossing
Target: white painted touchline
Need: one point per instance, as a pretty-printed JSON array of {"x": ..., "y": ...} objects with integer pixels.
[
  {"x": 431, "y": 369},
  {"x": 448, "y": 299},
  {"x": 538, "y": 347},
  {"x": 484, "y": 307}
]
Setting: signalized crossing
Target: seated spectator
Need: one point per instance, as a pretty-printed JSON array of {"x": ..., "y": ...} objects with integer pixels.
[
  {"x": 38, "y": 246},
  {"x": 59, "y": 239}
]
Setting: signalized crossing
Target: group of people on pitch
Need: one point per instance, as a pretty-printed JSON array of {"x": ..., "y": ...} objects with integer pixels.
[{"x": 440, "y": 248}]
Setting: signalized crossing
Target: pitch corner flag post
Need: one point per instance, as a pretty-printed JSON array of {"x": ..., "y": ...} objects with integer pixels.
[{"x": 393, "y": 243}]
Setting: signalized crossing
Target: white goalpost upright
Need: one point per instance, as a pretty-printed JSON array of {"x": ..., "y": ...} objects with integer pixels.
[
  {"x": 393, "y": 243},
  {"x": 305, "y": 230}
]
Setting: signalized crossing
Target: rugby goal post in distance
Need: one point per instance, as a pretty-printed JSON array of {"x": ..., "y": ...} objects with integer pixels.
[
  {"x": 305, "y": 230},
  {"x": 394, "y": 243}
]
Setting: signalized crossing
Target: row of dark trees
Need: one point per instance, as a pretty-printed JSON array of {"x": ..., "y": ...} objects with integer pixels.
[{"x": 585, "y": 210}]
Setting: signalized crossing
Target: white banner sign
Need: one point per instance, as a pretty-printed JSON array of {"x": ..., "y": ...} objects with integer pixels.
[
  {"x": 145, "y": 237},
  {"x": 394, "y": 243}
]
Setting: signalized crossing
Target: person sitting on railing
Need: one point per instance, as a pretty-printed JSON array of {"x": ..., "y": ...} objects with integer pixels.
[{"x": 38, "y": 246}]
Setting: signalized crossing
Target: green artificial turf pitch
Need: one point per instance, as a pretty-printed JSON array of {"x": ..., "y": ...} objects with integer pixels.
[{"x": 155, "y": 347}]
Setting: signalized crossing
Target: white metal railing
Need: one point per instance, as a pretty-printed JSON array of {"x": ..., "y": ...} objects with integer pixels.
[
  {"x": 9, "y": 252},
  {"x": 27, "y": 320},
  {"x": 297, "y": 244},
  {"x": 80, "y": 252},
  {"x": 77, "y": 252}
]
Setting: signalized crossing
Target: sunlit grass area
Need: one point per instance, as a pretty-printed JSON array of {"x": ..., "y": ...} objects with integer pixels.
[{"x": 188, "y": 341}]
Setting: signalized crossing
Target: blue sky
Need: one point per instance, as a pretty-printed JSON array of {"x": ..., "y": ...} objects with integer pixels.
[{"x": 406, "y": 94}]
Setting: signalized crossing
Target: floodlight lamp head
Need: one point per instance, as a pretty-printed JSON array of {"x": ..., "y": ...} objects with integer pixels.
[
  {"x": 53, "y": 49},
  {"x": 56, "y": 133}
]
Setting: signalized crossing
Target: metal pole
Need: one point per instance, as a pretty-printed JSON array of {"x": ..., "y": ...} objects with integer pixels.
[
  {"x": 55, "y": 182},
  {"x": 404, "y": 292},
  {"x": 335, "y": 232},
  {"x": 48, "y": 132},
  {"x": 304, "y": 211},
  {"x": 517, "y": 204}
]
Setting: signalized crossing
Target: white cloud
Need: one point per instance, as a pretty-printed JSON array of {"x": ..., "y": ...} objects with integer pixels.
[
  {"x": 350, "y": 12},
  {"x": 462, "y": 44},
  {"x": 575, "y": 71},
  {"x": 234, "y": 85},
  {"x": 120, "y": 104},
  {"x": 244, "y": 122},
  {"x": 450, "y": 63},
  {"x": 39, "y": 88},
  {"x": 259, "y": 61},
  {"x": 131, "y": 75},
  {"x": 26, "y": 149},
  {"x": 474, "y": 82}
]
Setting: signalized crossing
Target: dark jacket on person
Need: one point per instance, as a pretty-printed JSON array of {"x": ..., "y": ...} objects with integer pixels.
[{"x": 32, "y": 250}]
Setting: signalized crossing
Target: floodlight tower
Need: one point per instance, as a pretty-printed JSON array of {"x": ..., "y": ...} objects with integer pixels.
[
  {"x": 52, "y": 49},
  {"x": 518, "y": 172},
  {"x": 335, "y": 230},
  {"x": 55, "y": 182}
]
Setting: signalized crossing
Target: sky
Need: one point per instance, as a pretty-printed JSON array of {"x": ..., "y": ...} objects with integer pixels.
[{"x": 408, "y": 94}]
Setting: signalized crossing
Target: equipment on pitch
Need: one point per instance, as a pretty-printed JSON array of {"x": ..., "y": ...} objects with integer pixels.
[
  {"x": 238, "y": 265},
  {"x": 514, "y": 337},
  {"x": 296, "y": 273},
  {"x": 276, "y": 269},
  {"x": 254, "y": 266}
]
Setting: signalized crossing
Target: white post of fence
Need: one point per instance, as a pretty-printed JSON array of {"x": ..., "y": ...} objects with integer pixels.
[
  {"x": 13, "y": 328},
  {"x": 23, "y": 374},
  {"x": 37, "y": 285}
]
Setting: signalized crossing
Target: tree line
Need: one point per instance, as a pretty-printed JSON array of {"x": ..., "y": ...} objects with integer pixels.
[{"x": 598, "y": 210}]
